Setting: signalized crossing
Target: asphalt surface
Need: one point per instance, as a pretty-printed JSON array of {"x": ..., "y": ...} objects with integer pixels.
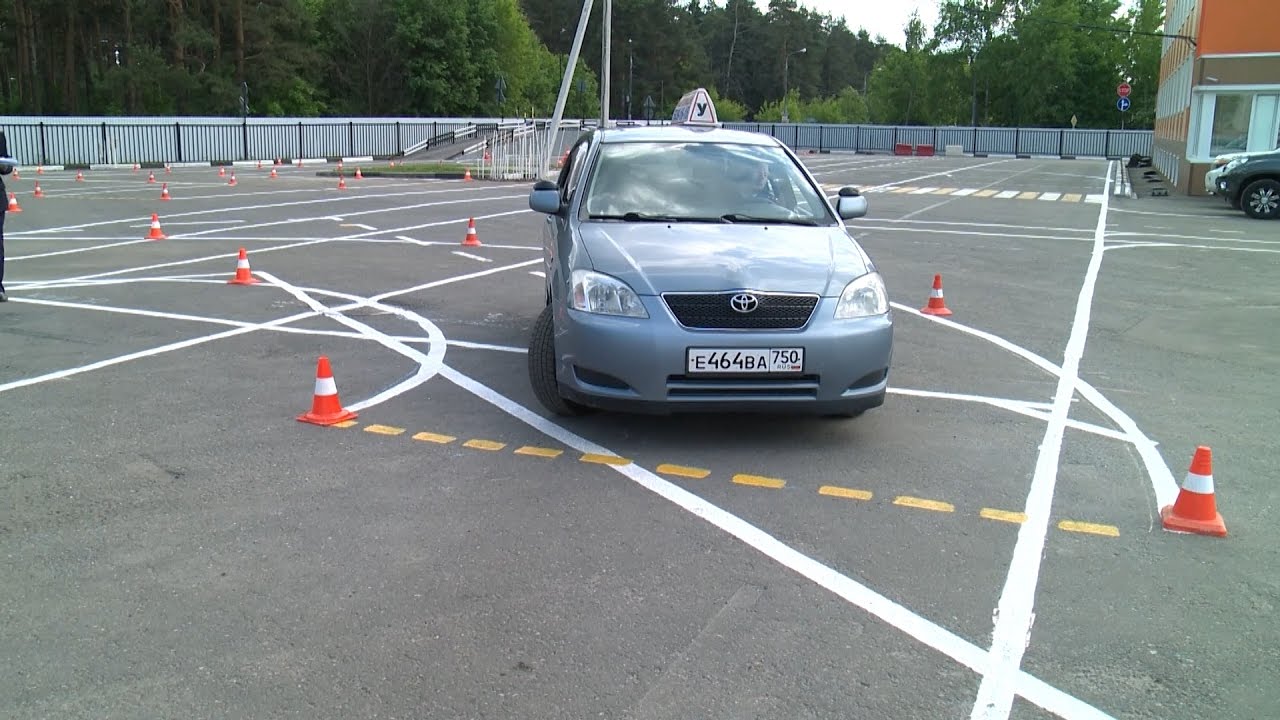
[{"x": 176, "y": 544}]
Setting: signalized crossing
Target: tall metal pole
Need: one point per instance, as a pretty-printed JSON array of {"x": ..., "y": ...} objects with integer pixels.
[
  {"x": 631, "y": 76},
  {"x": 606, "y": 31},
  {"x": 558, "y": 114}
]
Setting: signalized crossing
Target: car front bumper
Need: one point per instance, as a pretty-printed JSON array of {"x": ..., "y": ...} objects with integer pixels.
[{"x": 639, "y": 364}]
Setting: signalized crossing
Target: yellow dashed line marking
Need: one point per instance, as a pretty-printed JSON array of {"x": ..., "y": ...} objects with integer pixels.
[
  {"x": 478, "y": 444},
  {"x": 1090, "y": 528},
  {"x": 1072, "y": 197},
  {"x": 844, "y": 492},
  {"x": 539, "y": 451},
  {"x": 383, "y": 430},
  {"x": 346, "y": 424},
  {"x": 434, "y": 438},
  {"x": 904, "y": 189},
  {"x": 759, "y": 481},
  {"x": 1003, "y": 515},
  {"x": 1028, "y": 196},
  {"x": 603, "y": 459},
  {"x": 922, "y": 504},
  {"x": 944, "y": 191},
  {"x": 683, "y": 471},
  {"x": 985, "y": 193}
]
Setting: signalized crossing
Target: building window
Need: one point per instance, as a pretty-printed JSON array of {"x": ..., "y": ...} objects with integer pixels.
[{"x": 1230, "y": 124}]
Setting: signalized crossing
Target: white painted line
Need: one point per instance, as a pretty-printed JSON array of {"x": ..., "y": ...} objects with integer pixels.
[
  {"x": 964, "y": 192},
  {"x": 923, "y": 630},
  {"x": 470, "y": 256},
  {"x": 914, "y": 180},
  {"x": 77, "y": 250},
  {"x": 1129, "y": 246},
  {"x": 922, "y": 191},
  {"x": 1088, "y": 231},
  {"x": 362, "y": 226},
  {"x": 1014, "y": 612},
  {"x": 1008, "y": 194},
  {"x": 1093, "y": 198},
  {"x": 539, "y": 273},
  {"x": 1050, "y": 196},
  {"x": 189, "y": 222},
  {"x": 428, "y": 364}
]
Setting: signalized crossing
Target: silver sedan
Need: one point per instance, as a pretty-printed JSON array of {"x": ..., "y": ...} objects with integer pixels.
[{"x": 699, "y": 269}]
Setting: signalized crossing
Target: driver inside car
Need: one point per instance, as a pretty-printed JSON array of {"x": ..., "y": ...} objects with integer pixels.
[{"x": 750, "y": 178}]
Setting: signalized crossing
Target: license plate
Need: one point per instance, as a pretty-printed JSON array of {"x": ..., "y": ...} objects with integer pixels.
[{"x": 753, "y": 361}]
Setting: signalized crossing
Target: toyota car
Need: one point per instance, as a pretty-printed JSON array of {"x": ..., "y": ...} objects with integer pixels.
[{"x": 693, "y": 268}]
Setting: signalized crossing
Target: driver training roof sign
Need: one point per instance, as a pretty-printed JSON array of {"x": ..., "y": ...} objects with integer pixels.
[{"x": 695, "y": 108}]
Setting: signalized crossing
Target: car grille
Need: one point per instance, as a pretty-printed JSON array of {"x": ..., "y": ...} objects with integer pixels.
[
  {"x": 685, "y": 387},
  {"x": 711, "y": 311}
]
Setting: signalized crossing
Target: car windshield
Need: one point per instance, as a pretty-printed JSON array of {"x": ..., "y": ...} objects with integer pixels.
[{"x": 701, "y": 182}]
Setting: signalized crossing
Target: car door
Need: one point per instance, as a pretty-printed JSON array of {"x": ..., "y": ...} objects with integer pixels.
[{"x": 558, "y": 235}]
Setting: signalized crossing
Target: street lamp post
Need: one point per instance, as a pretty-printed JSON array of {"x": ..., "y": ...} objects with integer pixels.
[
  {"x": 786, "y": 89},
  {"x": 631, "y": 72}
]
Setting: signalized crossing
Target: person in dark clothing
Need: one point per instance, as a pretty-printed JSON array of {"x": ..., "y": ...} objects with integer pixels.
[{"x": 6, "y": 167}]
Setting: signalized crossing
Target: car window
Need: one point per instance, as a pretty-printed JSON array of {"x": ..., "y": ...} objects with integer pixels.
[
  {"x": 572, "y": 172},
  {"x": 701, "y": 181}
]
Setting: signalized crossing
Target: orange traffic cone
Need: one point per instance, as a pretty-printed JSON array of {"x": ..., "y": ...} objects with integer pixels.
[
  {"x": 273, "y": 174},
  {"x": 1195, "y": 510},
  {"x": 244, "y": 276},
  {"x": 359, "y": 175},
  {"x": 168, "y": 169},
  {"x": 151, "y": 178},
  {"x": 39, "y": 169},
  {"x": 232, "y": 181},
  {"x": 467, "y": 176},
  {"x": 472, "y": 240},
  {"x": 136, "y": 167},
  {"x": 16, "y": 174},
  {"x": 937, "y": 304},
  {"x": 222, "y": 171},
  {"x": 326, "y": 408},
  {"x": 13, "y": 203},
  {"x": 164, "y": 191},
  {"x": 156, "y": 233},
  {"x": 39, "y": 192},
  {"x": 342, "y": 183},
  {"x": 259, "y": 164},
  {"x": 79, "y": 177}
]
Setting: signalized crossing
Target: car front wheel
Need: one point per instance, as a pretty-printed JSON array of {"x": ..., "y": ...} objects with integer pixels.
[
  {"x": 1261, "y": 199},
  {"x": 542, "y": 368}
]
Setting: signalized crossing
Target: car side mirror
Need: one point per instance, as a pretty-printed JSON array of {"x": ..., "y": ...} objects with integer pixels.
[
  {"x": 850, "y": 204},
  {"x": 545, "y": 197}
]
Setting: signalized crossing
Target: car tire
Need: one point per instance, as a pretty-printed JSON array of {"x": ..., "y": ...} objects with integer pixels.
[
  {"x": 542, "y": 368},
  {"x": 1261, "y": 199}
]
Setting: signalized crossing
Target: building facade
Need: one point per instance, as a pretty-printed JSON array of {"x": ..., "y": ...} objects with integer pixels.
[{"x": 1219, "y": 88}]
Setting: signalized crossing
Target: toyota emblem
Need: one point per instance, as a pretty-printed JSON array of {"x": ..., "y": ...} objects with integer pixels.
[{"x": 744, "y": 302}]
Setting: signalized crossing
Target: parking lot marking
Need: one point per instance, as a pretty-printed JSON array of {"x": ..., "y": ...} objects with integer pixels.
[
  {"x": 478, "y": 444},
  {"x": 944, "y": 191},
  {"x": 346, "y": 424},
  {"x": 1015, "y": 609},
  {"x": 876, "y": 604},
  {"x": 362, "y": 226},
  {"x": 1089, "y": 528},
  {"x": 1072, "y": 197},
  {"x": 539, "y": 451},
  {"x": 1006, "y": 194},
  {"x": 907, "y": 189},
  {"x": 683, "y": 471},
  {"x": 1003, "y": 515},
  {"x": 985, "y": 193},
  {"x": 1050, "y": 196},
  {"x": 1028, "y": 195},
  {"x": 434, "y": 438},
  {"x": 759, "y": 481},
  {"x": 1093, "y": 198},
  {"x": 471, "y": 257},
  {"x": 923, "y": 504},
  {"x": 844, "y": 492},
  {"x": 603, "y": 459},
  {"x": 924, "y": 191},
  {"x": 383, "y": 430},
  {"x": 965, "y": 192}
]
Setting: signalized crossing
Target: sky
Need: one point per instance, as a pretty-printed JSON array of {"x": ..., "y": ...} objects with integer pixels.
[{"x": 879, "y": 17}]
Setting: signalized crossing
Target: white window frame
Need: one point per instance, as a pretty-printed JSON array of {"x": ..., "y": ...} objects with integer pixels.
[{"x": 1204, "y": 102}]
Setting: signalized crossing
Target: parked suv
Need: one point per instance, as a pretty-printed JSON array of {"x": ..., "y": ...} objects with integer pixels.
[{"x": 1254, "y": 186}]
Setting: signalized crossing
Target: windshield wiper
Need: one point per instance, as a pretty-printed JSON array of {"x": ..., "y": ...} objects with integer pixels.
[
  {"x": 742, "y": 217},
  {"x": 653, "y": 217}
]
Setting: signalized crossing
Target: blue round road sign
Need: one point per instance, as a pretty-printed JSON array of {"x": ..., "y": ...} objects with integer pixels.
[{"x": 1122, "y": 104}]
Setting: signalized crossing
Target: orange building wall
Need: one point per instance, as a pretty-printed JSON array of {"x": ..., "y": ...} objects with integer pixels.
[{"x": 1238, "y": 26}]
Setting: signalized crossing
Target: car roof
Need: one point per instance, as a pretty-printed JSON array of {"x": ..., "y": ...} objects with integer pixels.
[{"x": 683, "y": 133}]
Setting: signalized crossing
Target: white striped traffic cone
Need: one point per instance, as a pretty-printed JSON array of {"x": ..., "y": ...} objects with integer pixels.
[
  {"x": 326, "y": 408},
  {"x": 1195, "y": 510}
]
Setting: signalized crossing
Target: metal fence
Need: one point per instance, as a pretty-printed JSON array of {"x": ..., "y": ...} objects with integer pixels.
[{"x": 71, "y": 141}]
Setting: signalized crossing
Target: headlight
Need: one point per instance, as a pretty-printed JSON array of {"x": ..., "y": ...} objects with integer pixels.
[
  {"x": 597, "y": 293},
  {"x": 863, "y": 297},
  {"x": 1233, "y": 165}
]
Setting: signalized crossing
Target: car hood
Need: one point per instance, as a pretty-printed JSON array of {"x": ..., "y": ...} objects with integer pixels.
[{"x": 659, "y": 257}]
